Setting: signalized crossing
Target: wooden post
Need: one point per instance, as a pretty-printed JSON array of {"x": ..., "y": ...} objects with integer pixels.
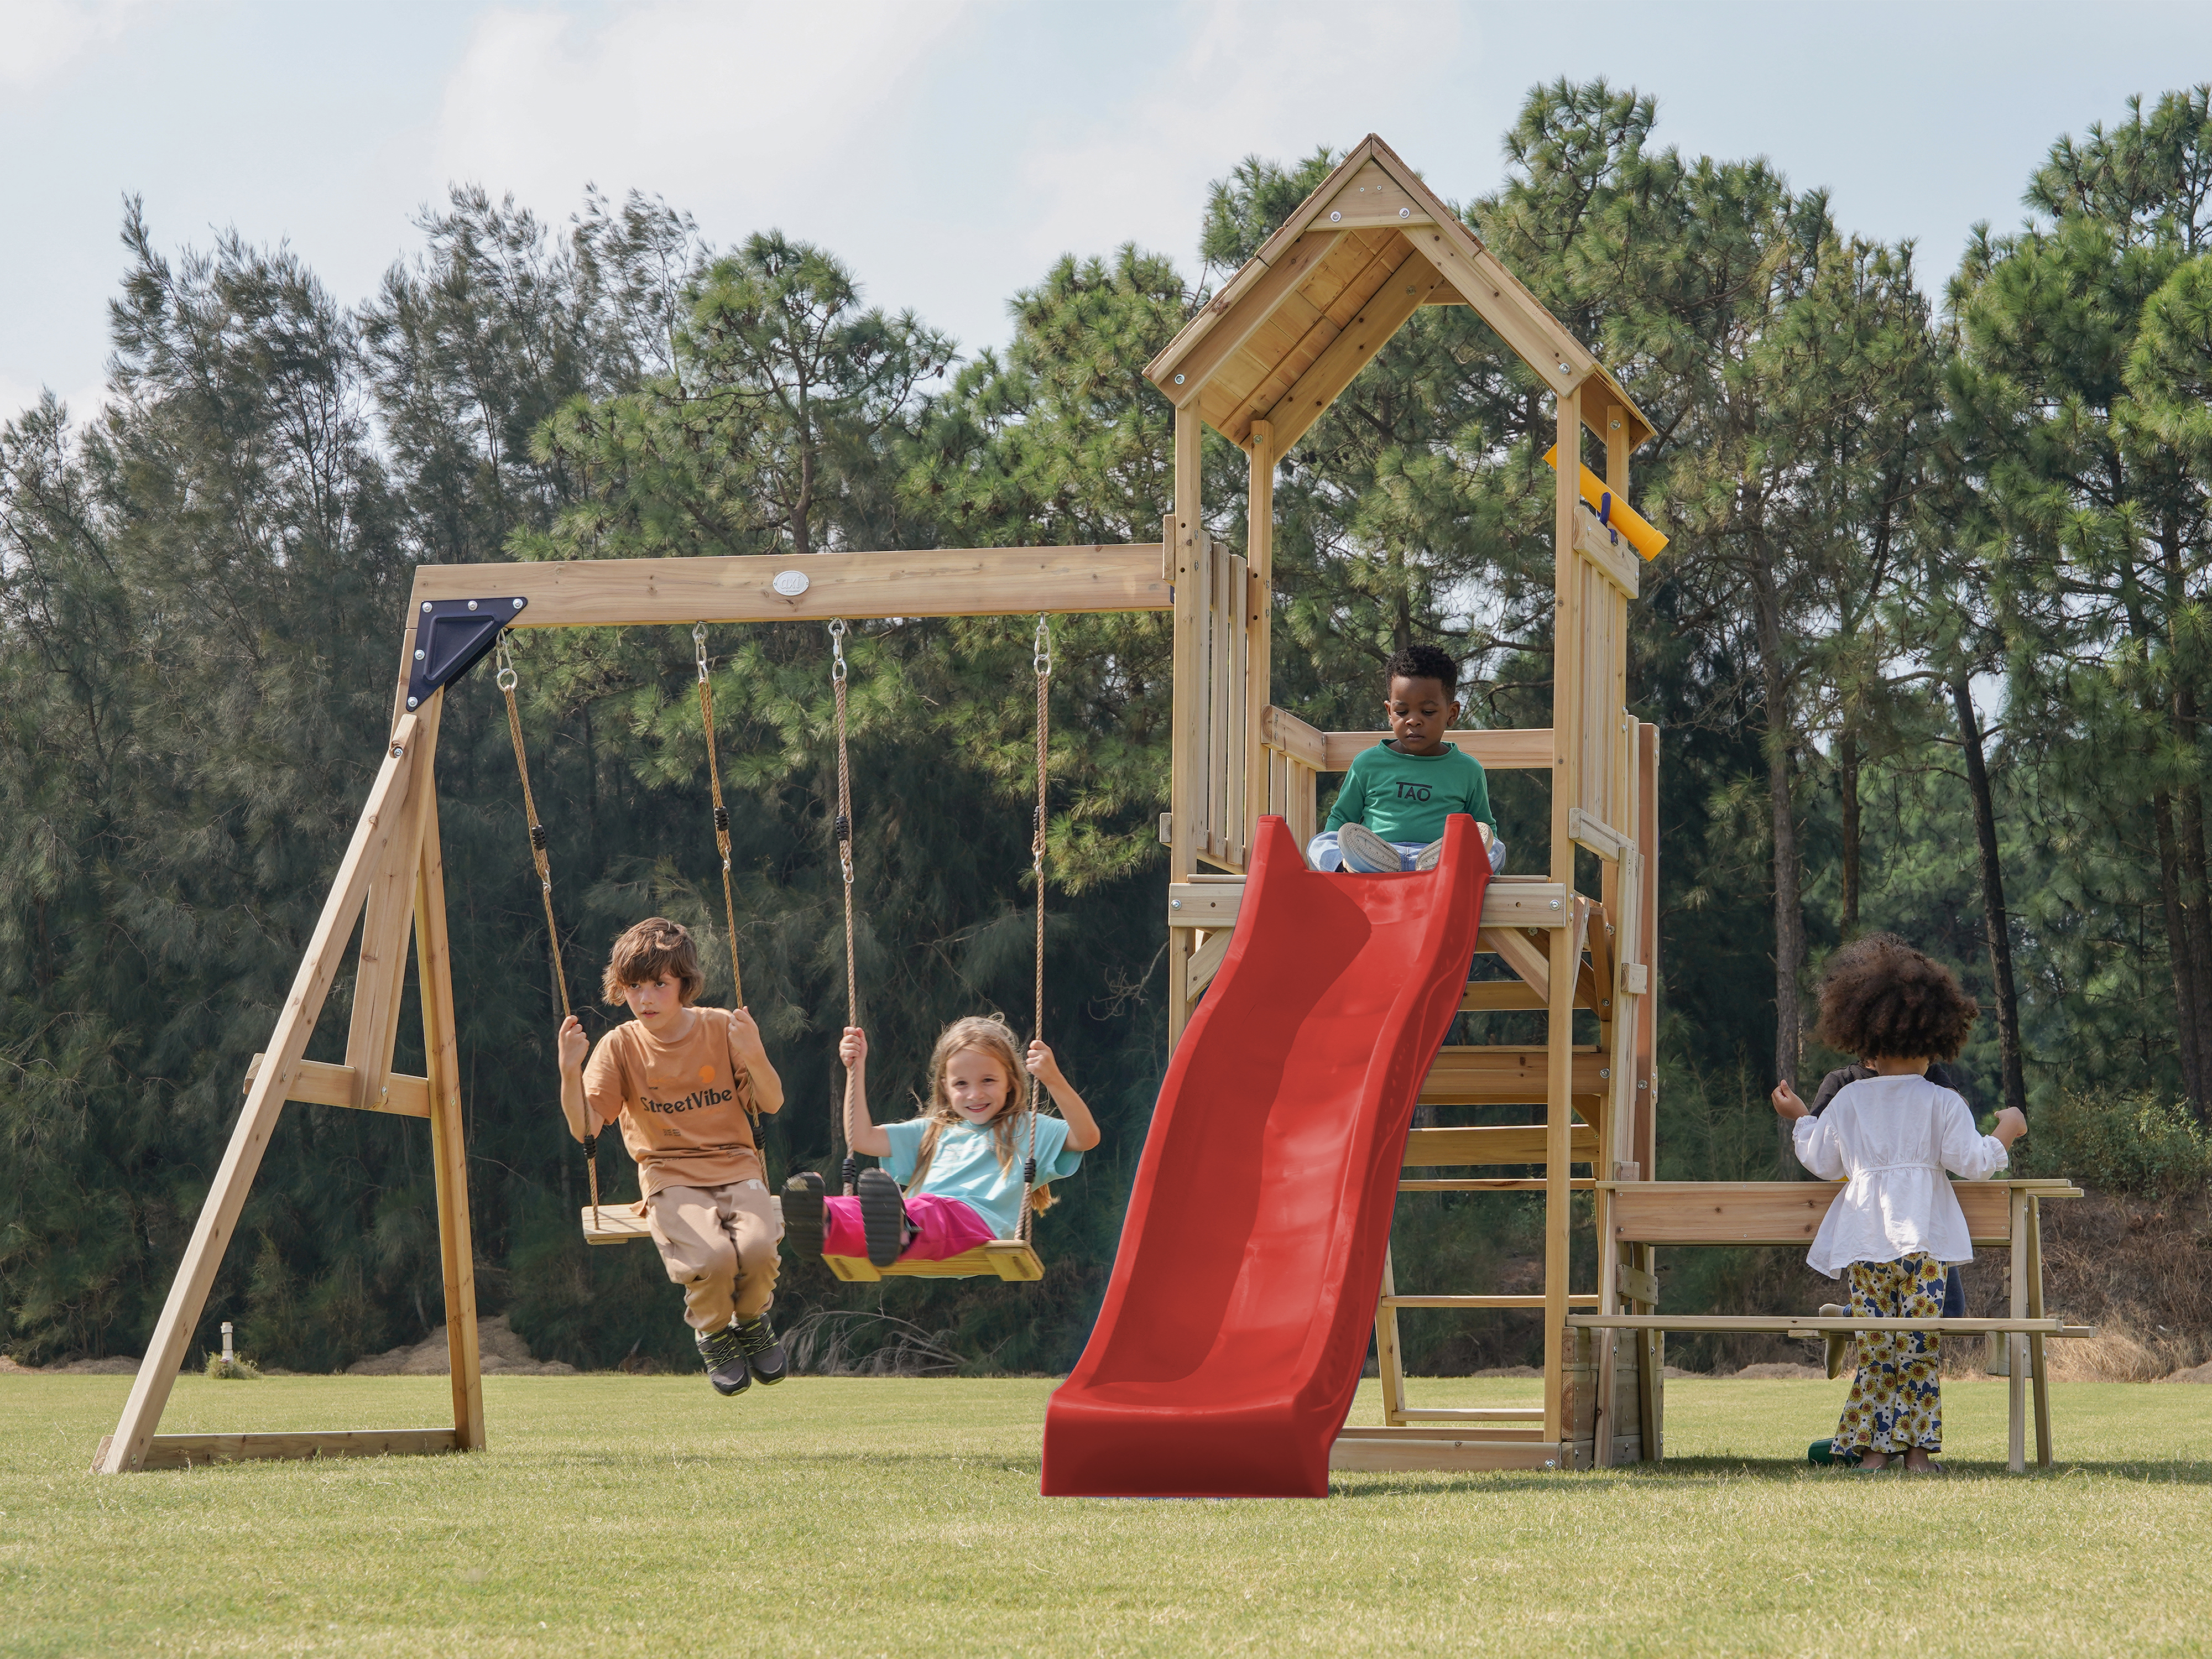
[
  {"x": 1185, "y": 549},
  {"x": 382, "y": 821},
  {"x": 1566, "y": 632},
  {"x": 1259, "y": 646},
  {"x": 2037, "y": 1374},
  {"x": 434, "y": 969},
  {"x": 2016, "y": 1345}
]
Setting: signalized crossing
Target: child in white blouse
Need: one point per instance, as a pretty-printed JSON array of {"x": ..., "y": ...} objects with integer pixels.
[{"x": 1896, "y": 1224}]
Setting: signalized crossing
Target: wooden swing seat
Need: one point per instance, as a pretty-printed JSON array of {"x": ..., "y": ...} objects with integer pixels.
[{"x": 1010, "y": 1259}]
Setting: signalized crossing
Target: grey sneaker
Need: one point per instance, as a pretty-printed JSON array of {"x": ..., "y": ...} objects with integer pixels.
[
  {"x": 724, "y": 1355},
  {"x": 1429, "y": 856},
  {"x": 764, "y": 1349},
  {"x": 1366, "y": 852}
]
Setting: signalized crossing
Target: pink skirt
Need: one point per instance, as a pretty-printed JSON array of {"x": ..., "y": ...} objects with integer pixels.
[{"x": 949, "y": 1228}]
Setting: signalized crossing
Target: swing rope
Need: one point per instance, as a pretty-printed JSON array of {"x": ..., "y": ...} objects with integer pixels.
[
  {"x": 721, "y": 836},
  {"x": 508, "y": 680},
  {"x": 1040, "y": 659},
  {"x": 850, "y": 1174}
]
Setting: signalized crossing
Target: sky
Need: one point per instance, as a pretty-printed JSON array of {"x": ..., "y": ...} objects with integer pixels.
[{"x": 949, "y": 150}]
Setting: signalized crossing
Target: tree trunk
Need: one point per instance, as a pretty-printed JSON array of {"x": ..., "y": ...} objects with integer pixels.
[
  {"x": 1847, "y": 773},
  {"x": 1789, "y": 910},
  {"x": 2195, "y": 900},
  {"x": 2180, "y": 958},
  {"x": 1993, "y": 902}
]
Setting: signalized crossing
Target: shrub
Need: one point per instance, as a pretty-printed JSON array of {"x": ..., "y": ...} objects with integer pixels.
[{"x": 2123, "y": 1143}]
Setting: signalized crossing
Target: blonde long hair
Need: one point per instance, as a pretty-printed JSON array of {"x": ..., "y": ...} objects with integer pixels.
[{"x": 994, "y": 1038}]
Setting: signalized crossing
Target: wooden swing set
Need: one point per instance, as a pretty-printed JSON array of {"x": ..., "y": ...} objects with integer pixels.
[{"x": 1260, "y": 364}]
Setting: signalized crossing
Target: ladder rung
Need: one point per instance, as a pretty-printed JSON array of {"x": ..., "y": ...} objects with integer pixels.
[{"x": 1496, "y": 1184}]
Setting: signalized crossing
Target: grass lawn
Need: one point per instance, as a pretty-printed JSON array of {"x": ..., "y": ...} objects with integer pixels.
[{"x": 618, "y": 1515}]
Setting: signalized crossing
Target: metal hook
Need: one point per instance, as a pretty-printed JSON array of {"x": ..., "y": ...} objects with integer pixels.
[
  {"x": 506, "y": 678},
  {"x": 699, "y": 645},
  {"x": 837, "y": 645},
  {"x": 1042, "y": 661}
]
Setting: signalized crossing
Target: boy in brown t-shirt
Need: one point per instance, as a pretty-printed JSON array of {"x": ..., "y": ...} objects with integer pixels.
[{"x": 684, "y": 1081}]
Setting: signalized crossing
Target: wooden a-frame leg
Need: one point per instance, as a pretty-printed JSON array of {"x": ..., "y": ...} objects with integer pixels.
[
  {"x": 1389, "y": 1362},
  {"x": 448, "y": 1147},
  {"x": 382, "y": 820},
  {"x": 387, "y": 922}
]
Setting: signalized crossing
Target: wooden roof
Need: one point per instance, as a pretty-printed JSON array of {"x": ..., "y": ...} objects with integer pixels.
[{"x": 1371, "y": 246}]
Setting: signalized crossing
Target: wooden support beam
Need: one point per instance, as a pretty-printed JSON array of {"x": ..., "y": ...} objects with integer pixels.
[
  {"x": 379, "y": 824},
  {"x": 1494, "y": 996},
  {"x": 1248, "y": 310},
  {"x": 186, "y": 1451},
  {"x": 1206, "y": 962},
  {"x": 449, "y": 1161},
  {"x": 388, "y": 925},
  {"x": 1815, "y": 1325},
  {"x": 1784, "y": 1212},
  {"x": 1491, "y": 1184},
  {"x": 1259, "y": 619},
  {"x": 1565, "y": 951},
  {"x": 1410, "y": 1448},
  {"x": 1481, "y": 1302},
  {"x": 315, "y": 1083},
  {"x": 1213, "y": 902},
  {"x": 1515, "y": 750},
  {"x": 1389, "y": 1364},
  {"x": 946, "y": 582}
]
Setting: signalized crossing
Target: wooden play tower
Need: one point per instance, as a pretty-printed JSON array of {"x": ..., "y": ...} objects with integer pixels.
[{"x": 1260, "y": 364}]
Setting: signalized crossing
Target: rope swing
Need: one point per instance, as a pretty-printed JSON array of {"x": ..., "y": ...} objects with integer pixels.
[
  {"x": 849, "y": 1173},
  {"x": 721, "y": 837},
  {"x": 1040, "y": 659},
  {"x": 508, "y": 680}
]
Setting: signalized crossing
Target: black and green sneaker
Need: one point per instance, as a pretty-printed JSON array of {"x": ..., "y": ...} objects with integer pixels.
[
  {"x": 764, "y": 1349},
  {"x": 802, "y": 1213},
  {"x": 723, "y": 1353},
  {"x": 883, "y": 1217}
]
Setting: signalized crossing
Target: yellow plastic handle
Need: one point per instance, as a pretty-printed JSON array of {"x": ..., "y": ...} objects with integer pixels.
[{"x": 1618, "y": 514}]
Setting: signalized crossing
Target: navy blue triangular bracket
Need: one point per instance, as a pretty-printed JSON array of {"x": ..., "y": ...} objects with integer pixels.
[{"x": 451, "y": 637}]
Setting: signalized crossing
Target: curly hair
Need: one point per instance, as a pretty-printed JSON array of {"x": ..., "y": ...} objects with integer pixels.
[
  {"x": 655, "y": 946},
  {"x": 1882, "y": 999},
  {"x": 1422, "y": 662}
]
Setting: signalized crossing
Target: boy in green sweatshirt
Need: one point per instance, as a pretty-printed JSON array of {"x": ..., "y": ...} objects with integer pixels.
[{"x": 1390, "y": 814}]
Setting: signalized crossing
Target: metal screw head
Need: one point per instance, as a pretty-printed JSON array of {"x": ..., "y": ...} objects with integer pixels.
[
  {"x": 411, "y": 701},
  {"x": 1555, "y": 904},
  {"x": 419, "y": 656},
  {"x": 1334, "y": 217},
  {"x": 426, "y": 604},
  {"x": 399, "y": 749},
  {"x": 1174, "y": 904},
  {"x": 1565, "y": 369},
  {"x": 1178, "y": 379},
  {"x": 1405, "y": 213},
  {"x": 1605, "y": 1071},
  {"x": 472, "y": 605},
  {"x": 518, "y": 604}
]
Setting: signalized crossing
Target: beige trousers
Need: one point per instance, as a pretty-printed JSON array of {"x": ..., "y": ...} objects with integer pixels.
[{"x": 720, "y": 1244}]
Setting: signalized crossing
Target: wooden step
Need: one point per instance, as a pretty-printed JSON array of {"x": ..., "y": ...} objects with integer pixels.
[{"x": 1504, "y": 1075}]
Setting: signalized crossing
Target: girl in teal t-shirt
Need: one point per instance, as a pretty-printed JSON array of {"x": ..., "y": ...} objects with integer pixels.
[{"x": 961, "y": 1160}]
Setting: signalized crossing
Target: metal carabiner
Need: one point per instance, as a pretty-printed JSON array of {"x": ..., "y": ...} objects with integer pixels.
[
  {"x": 837, "y": 644},
  {"x": 1042, "y": 661},
  {"x": 506, "y": 678},
  {"x": 699, "y": 645}
]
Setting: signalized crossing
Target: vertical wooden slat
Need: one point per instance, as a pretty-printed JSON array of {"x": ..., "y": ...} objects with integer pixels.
[
  {"x": 1259, "y": 642},
  {"x": 433, "y": 971},
  {"x": 380, "y": 823},
  {"x": 1645, "y": 1139},
  {"x": 2037, "y": 1373},
  {"x": 1566, "y": 684},
  {"x": 2016, "y": 1344},
  {"x": 1223, "y": 604},
  {"x": 1235, "y": 816},
  {"x": 1185, "y": 807}
]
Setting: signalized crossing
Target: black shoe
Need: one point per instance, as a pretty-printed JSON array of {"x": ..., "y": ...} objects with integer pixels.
[
  {"x": 883, "y": 1217},
  {"x": 802, "y": 1213},
  {"x": 724, "y": 1355},
  {"x": 764, "y": 1349}
]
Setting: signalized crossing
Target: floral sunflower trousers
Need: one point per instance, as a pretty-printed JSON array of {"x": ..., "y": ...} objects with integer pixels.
[{"x": 1896, "y": 1400}]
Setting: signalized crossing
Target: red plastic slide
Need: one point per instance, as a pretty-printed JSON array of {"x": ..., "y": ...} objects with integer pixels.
[{"x": 1236, "y": 1323}]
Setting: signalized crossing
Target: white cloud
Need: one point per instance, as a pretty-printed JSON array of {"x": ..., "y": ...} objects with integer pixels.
[
  {"x": 690, "y": 98},
  {"x": 1272, "y": 79},
  {"x": 40, "y": 38}
]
